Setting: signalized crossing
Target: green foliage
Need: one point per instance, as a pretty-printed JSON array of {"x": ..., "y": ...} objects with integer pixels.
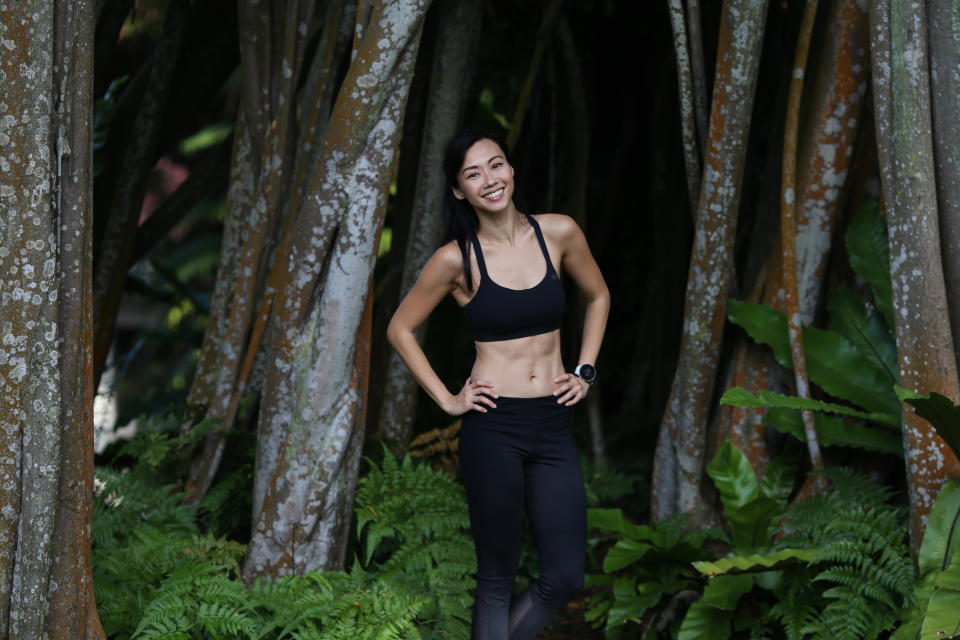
[
  {"x": 750, "y": 514},
  {"x": 644, "y": 568},
  {"x": 413, "y": 524},
  {"x": 855, "y": 361},
  {"x": 843, "y": 572},
  {"x": 939, "y": 411},
  {"x": 937, "y": 588},
  {"x": 869, "y": 253},
  {"x": 158, "y": 576}
]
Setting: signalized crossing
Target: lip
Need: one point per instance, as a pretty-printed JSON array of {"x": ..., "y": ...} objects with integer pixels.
[{"x": 493, "y": 196}]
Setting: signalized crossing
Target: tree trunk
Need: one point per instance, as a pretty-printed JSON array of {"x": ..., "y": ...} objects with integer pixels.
[
  {"x": 267, "y": 178},
  {"x": 688, "y": 114},
  {"x": 113, "y": 259},
  {"x": 46, "y": 415},
  {"x": 450, "y": 79},
  {"x": 306, "y": 453},
  {"x": 924, "y": 339},
  {"x": 680, "y": 452},
  {"x": 944, "y": 34}
]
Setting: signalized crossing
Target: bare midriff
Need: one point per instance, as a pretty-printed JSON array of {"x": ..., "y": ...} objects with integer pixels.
[{"x": 522, "y": 367}]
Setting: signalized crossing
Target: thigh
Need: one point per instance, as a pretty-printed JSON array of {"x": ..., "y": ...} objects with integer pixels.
[
  {"x": 492, "y": 470},
  {"x": 556, "y": 505}
]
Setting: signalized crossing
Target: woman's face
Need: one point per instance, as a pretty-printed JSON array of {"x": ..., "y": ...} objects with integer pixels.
[{"x": 485, "y": 179}]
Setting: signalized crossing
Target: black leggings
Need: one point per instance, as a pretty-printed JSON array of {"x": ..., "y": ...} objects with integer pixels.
[{"x": 522, "y": 454}]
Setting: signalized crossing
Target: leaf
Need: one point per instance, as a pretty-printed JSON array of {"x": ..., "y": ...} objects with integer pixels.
[
  {"x": 740, "y": 397},
  {"x": 751, "y": 522},
  {"x": 860, "y": 323},
  {"x": 869, "y": 253},
  {"x": 933, "y": 547},
  {"x": 613, "y": 521},
  {"x": 834, "y": 432},
  {"x": 764, "y": 325},
  {"x": 624, "y": 553},
  {"x": 839, "y": 368},
  {"x": 756, "y": 562},
  {"x": 723, "y": 592},
  {"x": 833, "y": 363},
  {"x": 778, "y": 480},
  {"x": 942, "y": 619},
  {"x": 939, "y": 411},
  {"x": 709, "y": 617},
  {"x": 734, "y": 477},
  {"x": 704, "y": 622}
]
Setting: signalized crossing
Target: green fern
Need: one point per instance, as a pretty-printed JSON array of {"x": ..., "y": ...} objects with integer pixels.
[
  {"x": 861, "y": 577},
  {"x": 412, "y": 523}
]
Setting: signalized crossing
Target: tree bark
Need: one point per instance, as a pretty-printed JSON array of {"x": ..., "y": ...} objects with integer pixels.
[
  {"x": 924, "y": 339},
  {"x": 944, "y": 34},
  {"x": 788, "y": 230},
  {"x": 305, "y": 459},
  {"x": 688, "y": 115},
  {"x": 46, "y": 415},
  {"x": 450, "y": 80},
  {"x": 116, "y": 249},
  {"x": 267, "y": 178},
  {"x": 680, "y": 452}
]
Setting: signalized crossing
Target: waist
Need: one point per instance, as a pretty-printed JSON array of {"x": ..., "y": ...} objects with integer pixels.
[{"x": 522, "y": 368}]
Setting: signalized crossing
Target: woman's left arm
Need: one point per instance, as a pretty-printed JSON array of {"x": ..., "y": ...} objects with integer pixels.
[{"x": 577, "y": 260}]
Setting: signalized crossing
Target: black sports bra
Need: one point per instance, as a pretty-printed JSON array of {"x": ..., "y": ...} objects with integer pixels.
[{"x": 499, "y": 313}]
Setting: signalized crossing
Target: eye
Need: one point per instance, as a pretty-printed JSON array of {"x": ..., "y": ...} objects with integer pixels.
[
  {"x": 472, "y": 174},
  {"x": 497, "y": 165}
]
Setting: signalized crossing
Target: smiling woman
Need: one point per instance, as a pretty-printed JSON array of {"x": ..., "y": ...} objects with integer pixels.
[{"x": 516, "y": 445}]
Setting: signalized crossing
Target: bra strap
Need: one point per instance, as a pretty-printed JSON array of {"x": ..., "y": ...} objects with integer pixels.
[
  {"x": 480, "y": 263},
  {"x": 543, "y": 243}
]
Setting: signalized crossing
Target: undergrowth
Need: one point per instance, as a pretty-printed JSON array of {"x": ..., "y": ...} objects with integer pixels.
[{"x": 162, "y": 568}]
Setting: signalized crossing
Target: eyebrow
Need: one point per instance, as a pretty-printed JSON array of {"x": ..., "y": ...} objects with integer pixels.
[{"x": 473, "y": 166}]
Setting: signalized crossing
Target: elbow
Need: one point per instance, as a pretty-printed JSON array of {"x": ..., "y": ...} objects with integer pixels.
[{"x": 394, "y": 332}]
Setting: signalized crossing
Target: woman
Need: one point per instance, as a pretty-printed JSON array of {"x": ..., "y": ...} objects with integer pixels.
[{"x": 516, "y": 446}]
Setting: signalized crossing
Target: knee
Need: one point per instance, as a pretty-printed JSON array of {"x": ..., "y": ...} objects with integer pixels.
[{"x": 560, "y": 588}]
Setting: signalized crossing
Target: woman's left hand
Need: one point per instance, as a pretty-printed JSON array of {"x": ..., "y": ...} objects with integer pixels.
[{"x": 571, "y": 390}]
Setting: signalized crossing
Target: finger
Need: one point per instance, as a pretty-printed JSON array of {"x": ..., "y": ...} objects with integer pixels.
[
  {"x": 482, "y": 384},
  {"x": 485, "y": 400},
  {"x": 477, "y": 407},
  {"x": 570, "y": 393}
]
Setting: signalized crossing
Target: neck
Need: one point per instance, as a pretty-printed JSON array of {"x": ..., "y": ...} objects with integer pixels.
[{"x": 503, "y": 225}]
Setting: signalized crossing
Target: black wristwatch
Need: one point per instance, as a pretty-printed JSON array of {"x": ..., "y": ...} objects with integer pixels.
[{"x": 586, "y": 372}]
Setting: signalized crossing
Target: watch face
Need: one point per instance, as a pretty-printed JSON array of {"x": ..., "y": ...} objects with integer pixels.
[{"x": 587, "y": 372}]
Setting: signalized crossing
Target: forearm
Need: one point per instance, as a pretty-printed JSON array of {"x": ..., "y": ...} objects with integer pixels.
[
  {"x": 594, "y": 325},
  {"x": 413, "y": 356}
]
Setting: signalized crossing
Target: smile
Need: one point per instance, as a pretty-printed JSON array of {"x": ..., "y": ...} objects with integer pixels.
[{"x": 495, "y": 195}]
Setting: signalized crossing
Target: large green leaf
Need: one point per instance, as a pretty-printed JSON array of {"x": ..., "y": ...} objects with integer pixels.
[
  {"x": 630, "y": 603},
  {"x": 734, "y": 477},
  {"x": 750, "y": 524},
  {"x": 756, "y": 562},
  {"x": 860, "y": 323},
  {"x": 839, "y": 368},
  {"x": 834, "y": 432},
  {"x": 939, "y": 411},
  {"x": 624, "y": 553},
  {"x": 740, "y": 397},
  {"x": 833, "y": 362},
  {"x": 942, "y": 619},
  {"x": 613, "y": 521},
  {"x": 764, "y": 325},
  {"x": 709, "y": 617},
  {"x": 933, "y": 548},
  {"x": 869, "y": 253}
]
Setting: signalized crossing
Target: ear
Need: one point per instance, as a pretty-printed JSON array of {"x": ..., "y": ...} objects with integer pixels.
[{"x": 459, "y": 195}]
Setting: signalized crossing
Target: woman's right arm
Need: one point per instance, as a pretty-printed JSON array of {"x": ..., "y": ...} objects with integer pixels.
[{"x": 438, "y": 278}]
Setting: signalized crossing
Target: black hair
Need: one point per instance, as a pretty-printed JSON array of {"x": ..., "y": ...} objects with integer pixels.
[{"x": 460, "y": 220}]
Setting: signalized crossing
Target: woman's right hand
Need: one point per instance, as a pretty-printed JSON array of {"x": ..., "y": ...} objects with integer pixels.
[{"x": 476, "y": 395}]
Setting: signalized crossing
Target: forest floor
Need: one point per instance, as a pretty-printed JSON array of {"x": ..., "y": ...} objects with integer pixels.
[{"x": 570, "y": 625}]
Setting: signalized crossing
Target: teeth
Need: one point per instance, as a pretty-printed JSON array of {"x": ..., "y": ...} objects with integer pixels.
[{"x": 495, "y": 194}]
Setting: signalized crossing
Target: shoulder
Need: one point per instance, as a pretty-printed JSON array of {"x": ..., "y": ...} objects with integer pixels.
[
  {"x": 446, "y": 262},
  {"x": 558, "y": 227}
]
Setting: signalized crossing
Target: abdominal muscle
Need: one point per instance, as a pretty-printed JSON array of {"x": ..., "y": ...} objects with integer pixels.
[{"x": 520, "y": 368}]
